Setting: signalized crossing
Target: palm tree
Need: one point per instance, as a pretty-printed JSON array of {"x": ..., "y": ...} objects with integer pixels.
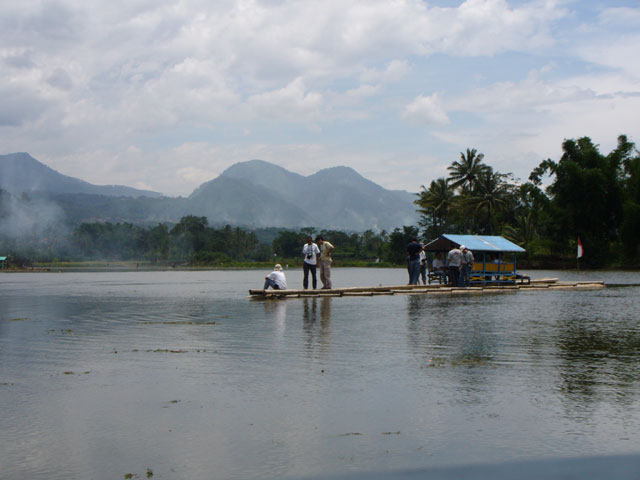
[
  {"x": 465, "y": 172},
  {"x": 523, "y": 232},
  {"x": 434, "y": 204},
  {"x": 491, "y": 193}
]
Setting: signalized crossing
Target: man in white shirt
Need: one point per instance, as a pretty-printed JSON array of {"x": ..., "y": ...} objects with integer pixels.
[
  {"x": 310, "y": 252},
  {"x": 454, "y": 260},
  {"x": 423, "y": 266},
  {"x": 276, "y": 279}
]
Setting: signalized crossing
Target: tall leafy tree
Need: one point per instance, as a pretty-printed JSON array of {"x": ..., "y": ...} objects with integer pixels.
[
  {"x": 522, "y": 232},
  {"x": 630, "y": 229},
  {"x": 586, "y": 197},
  {"x": 466, "y": 171},
  {"x": 189, "y": 236},
  {"x": 398, "y": 241},
  {"x": 490, "y": 195},
  {"x": 289, "y": 244},
  {"x": 434, "y": 204}
]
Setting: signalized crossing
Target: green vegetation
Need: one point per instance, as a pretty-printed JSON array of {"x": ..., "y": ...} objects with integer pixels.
[
  {"x": 585, "y": 193},
  {"x": 590, "y": 195}
]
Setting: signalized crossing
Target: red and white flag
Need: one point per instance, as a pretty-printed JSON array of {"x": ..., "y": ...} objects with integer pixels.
[{"x": 580, "y": 249}]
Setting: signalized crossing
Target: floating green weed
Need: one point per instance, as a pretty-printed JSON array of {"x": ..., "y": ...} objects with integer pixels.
[
  {"x": 164, "y": 350},
  {"x": 470, "y": 362},
  {"x": 458, "y": 362},
  {"x": 179, "y": 323},
  {"x": 129, "y": 476}
]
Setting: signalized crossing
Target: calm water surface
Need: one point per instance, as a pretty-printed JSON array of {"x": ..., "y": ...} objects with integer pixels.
[{"x": 108, "y": 374}]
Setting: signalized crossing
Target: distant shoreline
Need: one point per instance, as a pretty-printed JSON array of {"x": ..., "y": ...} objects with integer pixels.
[{"x": 289, "y": 264}]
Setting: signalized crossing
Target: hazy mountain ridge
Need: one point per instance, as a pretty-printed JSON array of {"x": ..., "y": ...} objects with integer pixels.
[
  {"x": 336, "y": 197},
  {"x": 21, "y": 172},
  {"x": 253, "y": 194}
]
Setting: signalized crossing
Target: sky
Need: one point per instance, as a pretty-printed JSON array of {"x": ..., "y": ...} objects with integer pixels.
[{"x": 167, "y": 94}]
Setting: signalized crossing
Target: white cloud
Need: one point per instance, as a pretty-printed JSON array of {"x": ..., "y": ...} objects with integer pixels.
[
  {"x": 393, "y": 71},
  {"x": 526, "y": 122},
  {"x": 619, "y": 53},
  {"x": 426, "y": 110},
  {"x": 175, "y": 92},
  {"x": 530, "y": 94},
  {"x": 292, "y": 101},
  {"x": 620, "y": 17}
]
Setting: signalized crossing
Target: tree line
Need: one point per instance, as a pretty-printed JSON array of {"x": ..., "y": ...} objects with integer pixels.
[
  {"x": 193, "y": 241},
  {"x": 584, "y": 194}
]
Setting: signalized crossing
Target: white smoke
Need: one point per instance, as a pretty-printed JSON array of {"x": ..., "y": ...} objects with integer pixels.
[{"x": 29, "y": 222}]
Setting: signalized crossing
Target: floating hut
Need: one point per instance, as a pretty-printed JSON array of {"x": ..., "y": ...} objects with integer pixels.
[
  {"x": 495, "y": 258},
  {"x": 3, "y": 262}
]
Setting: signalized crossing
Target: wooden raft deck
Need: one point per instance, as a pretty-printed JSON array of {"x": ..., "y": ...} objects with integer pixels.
[{"x": 542, "y": 283}]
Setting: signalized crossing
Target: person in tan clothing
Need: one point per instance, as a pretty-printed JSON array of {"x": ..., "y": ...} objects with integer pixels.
[{"x": 325, "y": 261}]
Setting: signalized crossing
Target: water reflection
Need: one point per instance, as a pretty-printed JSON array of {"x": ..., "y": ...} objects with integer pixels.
[
  {"x": 316, "y": 322},
  {"x": 451, "y": 333},
  {"x": 277, "y": 309},
  {"x": 597, "y": 362}
]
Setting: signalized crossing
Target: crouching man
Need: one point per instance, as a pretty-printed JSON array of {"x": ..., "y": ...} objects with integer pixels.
[{"x": 276, "y": 279}]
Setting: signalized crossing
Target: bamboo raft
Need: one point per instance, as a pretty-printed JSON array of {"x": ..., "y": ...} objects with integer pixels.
[{"x": 542, "y": 283}]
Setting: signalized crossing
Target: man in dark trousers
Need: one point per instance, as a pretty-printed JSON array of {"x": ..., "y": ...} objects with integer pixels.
[
  {"x": 310, "y": 252},
  {"x": 454, "y": 260},
  {"x": 413, "y": 252}
]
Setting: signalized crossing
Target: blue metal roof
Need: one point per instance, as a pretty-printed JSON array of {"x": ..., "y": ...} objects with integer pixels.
[{"x": 477, "y": 243}]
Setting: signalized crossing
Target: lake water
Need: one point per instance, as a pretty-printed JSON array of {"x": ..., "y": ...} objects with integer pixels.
[{"x": 108, "y": 374}]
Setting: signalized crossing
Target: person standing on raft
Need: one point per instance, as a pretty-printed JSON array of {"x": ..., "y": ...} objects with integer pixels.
[
  {"x": 310, "y": 252},
  {"x": 413, "y": 256},
  {"x": 454, "y": 260},
  {"x": 466, "y": 266},
  {"x": 325, "y": 261}
]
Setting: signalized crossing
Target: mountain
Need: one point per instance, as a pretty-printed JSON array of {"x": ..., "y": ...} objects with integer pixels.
[
  {"x": 263, "y": 194},
  {"x": 252, "y": 194},
  {"x": 20, "y": 172},
  {"x": 241, "y": 202}
]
